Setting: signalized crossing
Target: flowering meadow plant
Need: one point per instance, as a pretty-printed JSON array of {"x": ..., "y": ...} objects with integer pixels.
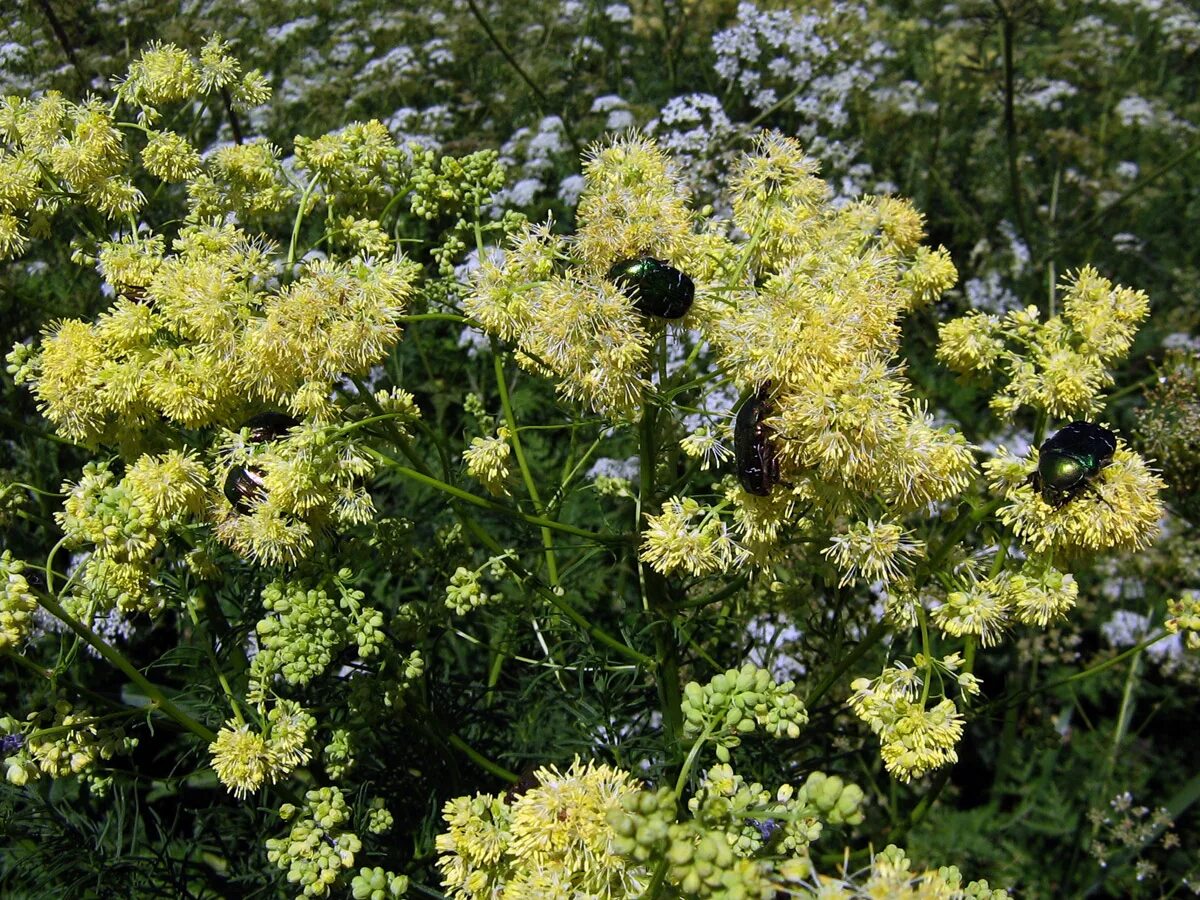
[{"x": 372, "y": 531}]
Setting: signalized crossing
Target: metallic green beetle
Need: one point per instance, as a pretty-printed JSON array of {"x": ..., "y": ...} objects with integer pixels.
[
  {"x": 656, "y": 288},
  {"x": 1068, "y": 461}
]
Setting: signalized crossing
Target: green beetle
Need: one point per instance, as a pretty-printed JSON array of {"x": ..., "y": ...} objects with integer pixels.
[
  {"x": 1068, "y": 461},
  {"x": 656, "y": 288}
]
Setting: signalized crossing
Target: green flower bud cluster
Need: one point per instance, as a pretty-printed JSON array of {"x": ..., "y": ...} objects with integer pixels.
[
  {"x": 61, "y": 741},
  {"x": 836, "y": 802},
  {"x": 451, "y": 185},
  {"x": 701, "y": 862},
  {"x": 914, "y": 739},
  {"x": 379, "y": 820},
  {"x": 386, "y": 692},
  {"x": 718, "y": 852},
  {"x": 16, "y": 602},
  {"x": 378, "y": 884},
  {"x": 365, "y": 236},
  {"x": 308, "y": 625},
  {"x": 319, "y": 848},
  {"x": 1183, "y": 617},
  {"x": 465, "y": 592},
  {"x": 708, "y": 868},
  {"x": 101, "y": 511},
  {"x": 338, "y": 754},
  {"x": 736, "y": 701},
  {"x": 643, "y": 825}
]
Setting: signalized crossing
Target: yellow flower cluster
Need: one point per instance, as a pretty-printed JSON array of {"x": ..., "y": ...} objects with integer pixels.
[
  {"x": 54, "y": 153},
  {"x": 1059, "y": 366},
  {"x": 61, "y": 741},
  {"x": 246, "y": 179},
  {"x": 163, "y": 73},
  {"x": 914, "y": 738},
  {"x": 690, "y": 538},
  {"x": 126, "y": 522},
  {"x": 487, "y": 461},
  {"x": 1038, "y": 595},
  {"x": 77, "y": 147},
  {"x": 872, "y": 550},
  {"x": 1119, "y": 509},
  {"x": 815, "y": 312},
  {"x": 301, "y": 484},
  {"x": 245, "y": 759},
  {"x": 891, "y": 875},
  {"x": 553, "y": 840},
  {"x": 211, "y": 340}
]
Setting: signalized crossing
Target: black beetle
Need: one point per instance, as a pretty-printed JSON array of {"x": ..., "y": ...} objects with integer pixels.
[
  {"x": 244, "y": 488},
  {"x": 269, "y": 426},
  {"x": 655, "y": 287},
  {"x": 753, "y": 452},
  {"x": 244, "y": 484},
  {"x": 1068, "y": 461}
]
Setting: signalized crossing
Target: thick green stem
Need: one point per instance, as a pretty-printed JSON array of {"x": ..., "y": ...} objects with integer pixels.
[
  {"x": 114, "y": 656},
  {"x": 480, "y": 760},
  {"x": 656, "y": 594}
]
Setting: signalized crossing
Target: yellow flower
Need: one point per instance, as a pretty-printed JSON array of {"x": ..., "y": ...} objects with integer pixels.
[
  {"x": 552, "y": 840},
  {"x": 872, "y": 550},
  {"x": 241, "y": 759},
  {"x": 980, "y": 610},
  {"x": 675, "y": 540},
  {"x": 487, "y": 461},
  {"x": 169, "y": 156}
]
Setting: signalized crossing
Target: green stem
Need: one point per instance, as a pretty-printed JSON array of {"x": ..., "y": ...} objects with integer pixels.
[
  {"x": 212, "y": 661},
  {"x": 595, "y": 631},
  {"x": 518, "y": 451},
  {"x": 543, "y": 100},
  {"x": 308, "y": 189},
  {"x": 492, "y": 505},
  {"x": 656, "y": 598},
  {"x": 690, "y": 760},
  {"x": 1123, "y": 717},
  {"x": 480, "y": 760},
  {"x": 877, "y": 633},
  {"x": 116, "y": 658},
  {"x": 926, "y": 651}
]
